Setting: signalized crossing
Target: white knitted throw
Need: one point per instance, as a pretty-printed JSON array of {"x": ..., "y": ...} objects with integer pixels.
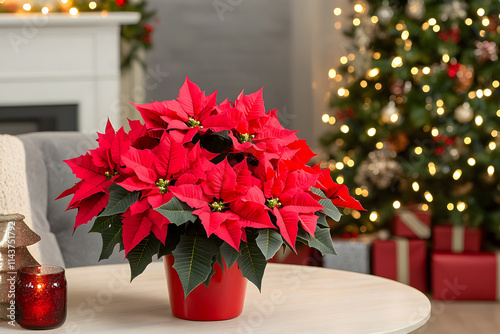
[{"x": 14, "y": 196}]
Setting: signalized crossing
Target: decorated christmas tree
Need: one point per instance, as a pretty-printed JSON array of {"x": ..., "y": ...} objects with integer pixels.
[{"x": 415, "y": 111}]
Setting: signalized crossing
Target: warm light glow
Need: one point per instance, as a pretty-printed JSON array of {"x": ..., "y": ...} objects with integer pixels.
[
  {"x": 404, "y": 35},
  {"x": 495, "y": 84},
  {"x": 492, "y": 145},
  {"x": 414, "y": 70},
  {"x": 471, "y": 161},
  {"x": 350, "y": 69},
  {"x": 378, "y": 86},
  {"x": 480, "y": 12},
  {"x": 350, "y": 163},
  {"x": 426, "y": 70},
  {"x": 400, "y": 26},
  {"x": 467, "y": 140},
  {"x": 424, "y": 207},
  {"x": 339, "y": 165},
  {"x": 373, "y": 216},
  {"x": 325, "y": 118},
  {"x": 397, "y": 62},
  {"x": 64, "y": 1},
  {"x": 479, "y": 93},
  {"x": 396, "y": 205},
  {"x": 379, "y": 145},
  {"x": 432, "y": 21},
  {"x": 426, "y": 88},
  {"x": 490, "y": 170},
  {"x": 332, "y": 120},
  {"x": 468, "y": 21},
  {"x": 332, "y": 73},
  {"x": 418, "y": 150},
  {"x": 440, "y": 111},
  {"x": 415, "y": 186},
  {"x": 343, "y": 60},
  {"x": 478, "y": 120},
  {"x": 394, "y": 118},
  {"x": 45, "y": 10},
  {"x": 356, "y": 22},
  {"x": 450, "y": 206},
  {"x": 485, "y": 22},
  {"x": 487, "y": 92},
  {"x": 377, "y": 55},
  {"x": 374, "y": 19},
  {"x": 363, "y": 83},
  {"x": 446, "y": 58},
  {"x": 371, "y": 132},
  {"x": 435, "y": 132},
  {"x": 341, "y": 91},
  {"x": 358, "y": 8},
  {"x": 494, "y": 133},
  {"x": 358, "y": 191},
  {"x": 337, "y": 11},
  {"x": 73, "y": 11},
  {"x": 457, "y": 174},
  {"x": 432, "y": 168},
  {"x": 337, "y": 25},
  {"x": 428, "y": 196},
  {"x": 27, "y": 7},
  {"x": 498, "y": 113},
  {"x": 461, "y": 206},
  {"x": 344, "y": 128},
  {"x": 425, "y": 26},
  {"x": 436, "y": 28},
  {"x": 373, "y": 72},
  {"x": 92, "y": 5},
  {"x": 340, "y": 179},
  {"x": 439, "y": 103}
]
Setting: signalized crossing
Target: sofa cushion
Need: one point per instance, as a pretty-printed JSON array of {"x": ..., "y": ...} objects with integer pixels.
[{"x": 48, "y": 177}]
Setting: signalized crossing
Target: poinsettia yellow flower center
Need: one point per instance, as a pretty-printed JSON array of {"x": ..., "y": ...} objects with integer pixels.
[
  {"x": 245, "y": 137},
  {"x": 272, "y": 203},
  {"x": 194, "y": 123},
  {"x": 109, "y": 175},
  {"x": 217, "y": 206},
  {"x": 163, "y": 185}
]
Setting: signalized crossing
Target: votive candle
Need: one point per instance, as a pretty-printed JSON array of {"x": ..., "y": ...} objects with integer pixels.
[{"x": 40, "y": 297}]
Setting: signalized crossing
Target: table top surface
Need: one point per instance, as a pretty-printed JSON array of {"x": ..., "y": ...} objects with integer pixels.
[{"x": 294, "y": 299}]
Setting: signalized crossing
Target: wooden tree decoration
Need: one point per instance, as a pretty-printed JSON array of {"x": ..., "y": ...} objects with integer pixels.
[{"x": 15, "y": 235}]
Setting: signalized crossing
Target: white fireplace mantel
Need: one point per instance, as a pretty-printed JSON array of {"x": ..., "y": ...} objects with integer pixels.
[{"x": 59, "y": 59}]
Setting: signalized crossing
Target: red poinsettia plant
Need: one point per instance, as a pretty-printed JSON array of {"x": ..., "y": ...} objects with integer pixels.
[{"x": 206, "y": 183}]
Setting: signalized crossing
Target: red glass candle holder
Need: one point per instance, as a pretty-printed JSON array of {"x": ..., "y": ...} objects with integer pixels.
[{"x": 40, "y": 297}]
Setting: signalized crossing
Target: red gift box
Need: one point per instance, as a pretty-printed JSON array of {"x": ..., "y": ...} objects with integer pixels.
[
  {"x": 412, "y": 224},
  {"x": 305, "y": 256},
  {"x": 466, "y": 276},
  {"x": 456, "y": 239},
  {"x": 402, "y": 260}
]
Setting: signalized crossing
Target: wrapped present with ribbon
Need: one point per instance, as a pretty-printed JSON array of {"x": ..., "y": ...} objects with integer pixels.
[
  {"x": 456, "y": 239},
  {"x": 412, "y": 223},
  {"x": 353, "y": 254},
  {"x": 401, "y": 259},
  {"x": 466, "y": 276}
]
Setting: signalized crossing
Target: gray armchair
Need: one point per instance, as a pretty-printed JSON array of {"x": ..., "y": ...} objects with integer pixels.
[{"x": 48, "y": 176}]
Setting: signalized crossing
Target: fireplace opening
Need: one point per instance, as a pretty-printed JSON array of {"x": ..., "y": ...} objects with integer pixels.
[{"x": 15, "y": 120}]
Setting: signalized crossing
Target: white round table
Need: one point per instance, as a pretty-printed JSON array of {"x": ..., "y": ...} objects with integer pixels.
[{"x": 294, "y": 299}]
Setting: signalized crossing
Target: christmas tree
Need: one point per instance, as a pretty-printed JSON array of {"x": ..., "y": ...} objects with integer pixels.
[{"x": 415, "y": 111}]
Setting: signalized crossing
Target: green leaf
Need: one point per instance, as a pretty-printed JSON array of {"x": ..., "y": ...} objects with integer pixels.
[
  {"x": 119, "y": 201},
  {"x": 322, "y": 241},
  {"x": 330, "y": 210},
  {"x": 322, "y": 220},
  {"x": 193, "y": 260},
  {"x": 212, "y": 272},
  {"x": 173, "y": 238},
  {"x": 269, "y": 241},
  {"x": 141, "y": 255},
  {"x": 176, "y": 211},
  {"x": 318, "y": 192},
  {"x": 110, "y": 228},
  {"x": 252, "y": 262},
  {"x": 229, "y": 254}
]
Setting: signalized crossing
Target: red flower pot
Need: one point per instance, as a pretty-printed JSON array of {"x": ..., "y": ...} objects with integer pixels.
[{"x": 222, "y": 300}]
